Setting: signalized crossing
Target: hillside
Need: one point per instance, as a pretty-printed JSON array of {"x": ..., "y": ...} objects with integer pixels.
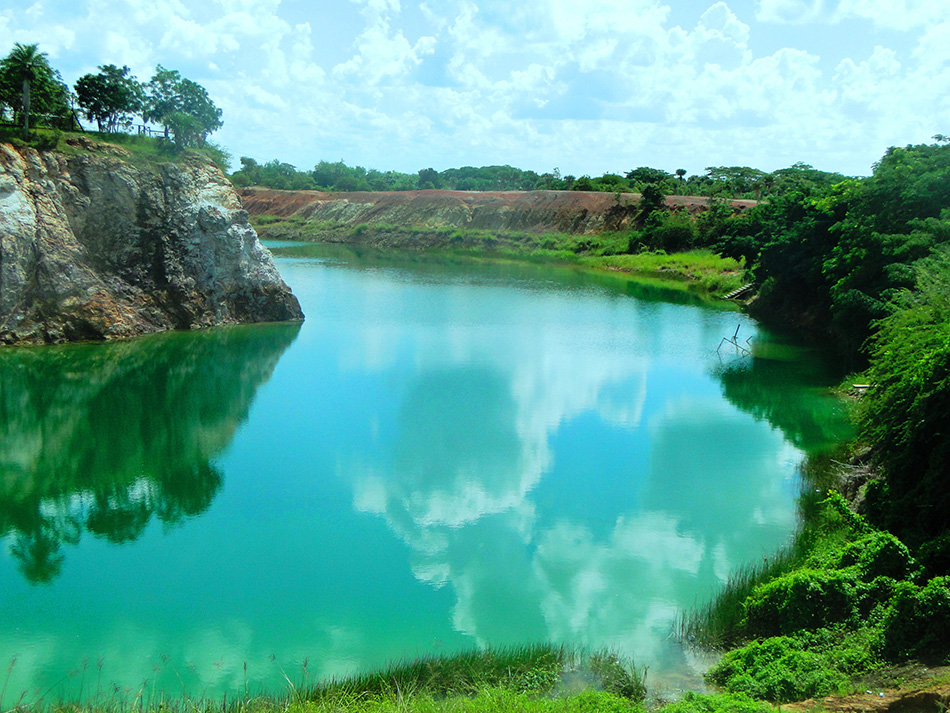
[{"x": 574, "y": 212}]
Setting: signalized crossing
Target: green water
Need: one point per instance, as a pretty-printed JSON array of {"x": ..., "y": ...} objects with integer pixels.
[{"x": 446, "y": 454}]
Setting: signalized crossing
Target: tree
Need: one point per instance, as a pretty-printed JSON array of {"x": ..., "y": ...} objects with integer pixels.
[
  {"x": 181, "y": 106},
  {"x": 29, "y": 85},
  {"x": 647, "y": 175},
  {"x": 110, "y": 97},
  {"x": 429, "y": 178}
]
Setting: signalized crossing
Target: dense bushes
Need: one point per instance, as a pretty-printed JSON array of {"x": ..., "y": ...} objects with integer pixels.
[
  {"x": 852, "y": 600},
  {"x": 917, "y": 622},
  {"x": 904, "y": 414},
  {"x": 803, "y": 599},
  {"x": 777, "y": 669}
]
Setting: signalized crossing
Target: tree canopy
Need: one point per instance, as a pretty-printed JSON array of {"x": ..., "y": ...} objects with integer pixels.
[
  {"x": 111, "y": 98},
  {"x": 30, "y": 88},
  {"x": 181, "y": 106}
]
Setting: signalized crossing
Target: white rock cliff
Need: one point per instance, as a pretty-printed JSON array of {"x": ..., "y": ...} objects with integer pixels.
[{"x": 93, "y": 246}]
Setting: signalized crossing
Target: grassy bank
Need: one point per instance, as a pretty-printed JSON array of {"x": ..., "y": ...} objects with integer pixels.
[
  {"x": 540, "y": 677},
  {"x": 137, "y": 149},
  {"x": 843, "y": 601},
  {"x": 533, "y": 679},
  {"x": 701, "y": 271}
]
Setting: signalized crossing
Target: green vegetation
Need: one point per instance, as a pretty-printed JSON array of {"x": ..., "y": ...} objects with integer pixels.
[
  {"x": 487, "y": 700},
  {"x": 847, "y": 599},
  {"x": 699, "y": 270},
  {"x": 111, "y": 97},
  {"x": 528, "y": 678},
  {"x": 866, "y": 264},
  {"x": 717, "y": 182},
  {"x": 32, "y": 93}
]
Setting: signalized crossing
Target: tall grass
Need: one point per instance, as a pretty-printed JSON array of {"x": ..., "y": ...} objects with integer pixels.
[
  {"x": 719, "y": 624},
  {"x": 471, "y": 680}
]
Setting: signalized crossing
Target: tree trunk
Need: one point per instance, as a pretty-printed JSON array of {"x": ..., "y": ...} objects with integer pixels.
[{"x": 26, "y": 107}]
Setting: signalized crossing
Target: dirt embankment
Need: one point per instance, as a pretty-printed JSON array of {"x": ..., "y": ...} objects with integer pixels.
[
  {"x": 915, "y": 689},
  {"x": 574, "y": 212}
]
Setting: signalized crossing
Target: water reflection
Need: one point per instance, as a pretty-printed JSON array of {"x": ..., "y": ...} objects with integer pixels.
[
  {"x": 448, "y": 455},
  {"x": 787, "y": 386},
  {"x": 560, "y": 459},
  {"x": 102, "y": 438}
]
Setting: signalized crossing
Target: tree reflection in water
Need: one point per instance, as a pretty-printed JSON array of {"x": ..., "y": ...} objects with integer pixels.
[{"x": 105, "y": 437}]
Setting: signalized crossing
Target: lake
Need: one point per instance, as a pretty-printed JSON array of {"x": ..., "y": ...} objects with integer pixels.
[{"x": 448, "y": 453}]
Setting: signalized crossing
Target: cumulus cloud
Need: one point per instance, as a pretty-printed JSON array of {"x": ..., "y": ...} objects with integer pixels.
[
  {"x": 789, "y": 11},
  {"x": 590, "y": 87},
  {"x": 900, "y": 15}
]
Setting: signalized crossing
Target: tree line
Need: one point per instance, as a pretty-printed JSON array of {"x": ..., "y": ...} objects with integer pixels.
[
  {"x": 864, "y": 264},
  {"x": 33, "y": 92},
  {"x": 732, "y": 182}
]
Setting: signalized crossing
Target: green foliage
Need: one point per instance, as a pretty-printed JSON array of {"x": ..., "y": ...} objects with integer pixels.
[
  {"x": 903, "y": 415},
  {"x": 110, "y": 97},
  {"x": 181, "y": 106},
  {"x": 778, "y": 669},
  {"x": 802, "y": 599},
  {"x": 917, "y": 623},
  {"x": 722, "y": 622},
  {"x": 429, "y": 178},
  {"x": 645, "y": 175},
  {"x": 669, "y": 231},
  {"x": 33, "y": 91},
  {"x": 736, "y": 180},
  {"x": 879, "y": 554},
  {"x": 719, "y": 703},
  {"x": 618, "y": 676},
  {"x": 934, "y": 556}
]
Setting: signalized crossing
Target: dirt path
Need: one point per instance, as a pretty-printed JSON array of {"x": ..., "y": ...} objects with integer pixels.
[{"x": 916, "y": 690}]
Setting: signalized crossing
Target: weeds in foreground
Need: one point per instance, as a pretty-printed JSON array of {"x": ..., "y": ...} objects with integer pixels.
[{"x": 516, "y": 678}]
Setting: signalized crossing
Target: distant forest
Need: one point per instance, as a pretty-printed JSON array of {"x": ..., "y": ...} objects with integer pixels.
[{"x": 722, "y": 181}]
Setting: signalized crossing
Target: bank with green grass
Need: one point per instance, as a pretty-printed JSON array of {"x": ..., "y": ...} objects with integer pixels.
[{"x": 698, "y": 270}]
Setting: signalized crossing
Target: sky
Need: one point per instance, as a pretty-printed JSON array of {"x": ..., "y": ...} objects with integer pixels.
[{"x": 584, "y": 86}]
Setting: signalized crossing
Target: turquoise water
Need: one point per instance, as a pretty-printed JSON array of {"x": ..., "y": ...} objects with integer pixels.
[{"x": 446, "y": 454}]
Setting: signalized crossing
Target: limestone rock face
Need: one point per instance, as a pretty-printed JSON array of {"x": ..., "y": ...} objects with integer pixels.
[{"x": 95, "y": 247}]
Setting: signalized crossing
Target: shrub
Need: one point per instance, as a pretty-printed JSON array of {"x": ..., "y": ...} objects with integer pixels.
[
  {"x": 934, "y": 556},
  {"x": 917, "y": 624},
  {"x": 778, "y": 669},
  {"x": 879, "y": 554},
  {"x": 803, "y": 599},
  {"x": 674, "y": 232},
  {"x": 720, "y": 703}
]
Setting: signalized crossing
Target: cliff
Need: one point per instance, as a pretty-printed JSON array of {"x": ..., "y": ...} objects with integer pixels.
[
  {"x": 94, "y": 246},
  {"x": 575, "y": 212}
]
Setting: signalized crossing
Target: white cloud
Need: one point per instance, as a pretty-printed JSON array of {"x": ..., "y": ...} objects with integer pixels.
[
  {"x": 789, "y": 11},
  {"x": 589, "y": 87},
  {"x": 894, "y": 14}
]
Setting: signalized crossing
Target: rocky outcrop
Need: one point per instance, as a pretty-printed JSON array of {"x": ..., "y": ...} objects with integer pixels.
[{"x": 95, "y": 246}]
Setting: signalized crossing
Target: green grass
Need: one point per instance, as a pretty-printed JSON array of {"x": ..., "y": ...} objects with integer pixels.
[
  {"x": 139, "y": 150},
  {"x": 525, "y": 678},
  {"x": 700, "y": 271},
  {"x": 710, "y": 272}
]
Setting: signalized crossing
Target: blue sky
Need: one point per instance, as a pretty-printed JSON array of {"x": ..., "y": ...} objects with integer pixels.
[{"x": 587, "y": 86}]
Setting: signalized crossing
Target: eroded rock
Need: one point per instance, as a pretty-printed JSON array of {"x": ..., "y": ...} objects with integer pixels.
[{"x": 94, "y": 247}]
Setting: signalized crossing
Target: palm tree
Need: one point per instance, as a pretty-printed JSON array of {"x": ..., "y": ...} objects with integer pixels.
[{"x": 24, "y": 63}]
